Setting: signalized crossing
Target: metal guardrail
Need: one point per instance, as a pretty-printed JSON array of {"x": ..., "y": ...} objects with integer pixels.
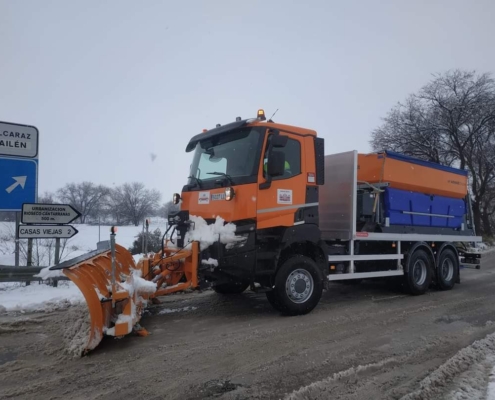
[{"x": 24, "y": 274}]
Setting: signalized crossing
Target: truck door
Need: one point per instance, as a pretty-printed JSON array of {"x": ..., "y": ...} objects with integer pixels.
[{"x": 285, "y": 194}]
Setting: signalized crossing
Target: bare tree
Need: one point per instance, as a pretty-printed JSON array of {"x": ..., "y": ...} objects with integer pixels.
[
  {"x": 407, "y": 129},
  {"x": 450, "y": 121},
  {"x": 47, "y": 198},
  {"x": 114, "y": 206},
  {"x": 86, "y": 197},
  {"x": 137, "y": 202},
  {"x": 481, "y": 163},
  {"x": 167, "y": 208}
]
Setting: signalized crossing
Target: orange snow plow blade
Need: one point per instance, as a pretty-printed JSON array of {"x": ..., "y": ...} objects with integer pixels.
[{"x": 117, "y": 292}]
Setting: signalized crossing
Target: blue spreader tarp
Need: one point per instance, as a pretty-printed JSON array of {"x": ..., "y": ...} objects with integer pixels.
[{"x": 407, "y": 208}]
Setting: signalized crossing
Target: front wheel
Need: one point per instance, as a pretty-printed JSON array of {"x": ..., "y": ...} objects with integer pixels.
[
  {"x": 298, "y": 286},
  {"x": 230, "y": 288}
]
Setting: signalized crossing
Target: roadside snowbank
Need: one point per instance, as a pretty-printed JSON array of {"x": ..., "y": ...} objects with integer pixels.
[
  {"x": 482, "y": 248},
  {"x": 467, "y": 371},
  {"x": 38, "y": 297},
  {"x": 7, "y": 259},
  {"x": 490, "y": 395},
  {"x": 76, "y": 325},
  {"x": 465, "y": 376},
  {"x": 46, "y": 274}
]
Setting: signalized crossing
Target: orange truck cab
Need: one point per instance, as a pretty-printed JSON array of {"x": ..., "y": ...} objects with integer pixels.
[{"x": 306, "y": 219}]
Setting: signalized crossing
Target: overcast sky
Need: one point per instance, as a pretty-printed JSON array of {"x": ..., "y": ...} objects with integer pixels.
[{"x": 109, "y": 82}]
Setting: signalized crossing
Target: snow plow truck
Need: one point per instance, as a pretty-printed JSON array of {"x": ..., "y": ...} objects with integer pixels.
[{"x": 264, "y": 208}]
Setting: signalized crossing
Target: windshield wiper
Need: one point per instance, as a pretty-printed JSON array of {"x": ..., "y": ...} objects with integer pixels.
[
  {"x": 228, "y": 177},
  {"x": 199, "y": 181}
]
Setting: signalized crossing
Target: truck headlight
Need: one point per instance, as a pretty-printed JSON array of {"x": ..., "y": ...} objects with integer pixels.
[{"x": 229, "y": 193}]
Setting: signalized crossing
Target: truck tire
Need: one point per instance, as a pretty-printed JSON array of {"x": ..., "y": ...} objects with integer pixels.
[
  {"x": 447, "y": 269},
  {"x": 273, "y": 300},
  {"x": 418, "y": 274},
  {"x": 231, "y": 288},
  {"x": 298, "y": 286}
]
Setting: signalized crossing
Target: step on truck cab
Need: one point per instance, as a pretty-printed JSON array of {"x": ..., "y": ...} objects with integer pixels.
[{"x": 306, "y": 218}]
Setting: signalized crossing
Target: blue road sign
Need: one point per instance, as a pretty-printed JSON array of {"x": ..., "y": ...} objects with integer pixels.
[{"x": 18, "y": 183}]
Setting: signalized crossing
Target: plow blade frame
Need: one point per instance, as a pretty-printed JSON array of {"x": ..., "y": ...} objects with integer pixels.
[{"x": 114, "y": 302}]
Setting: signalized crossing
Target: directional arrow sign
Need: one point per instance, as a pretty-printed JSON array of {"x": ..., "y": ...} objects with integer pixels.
[
  {"x": 18, "y": 182},
  {"x": 48, "y": 213},
  {"x": 46, "y": 232}
]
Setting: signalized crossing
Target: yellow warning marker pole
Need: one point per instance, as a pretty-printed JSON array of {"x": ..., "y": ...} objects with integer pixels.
[{"x": 113, "y": 230}]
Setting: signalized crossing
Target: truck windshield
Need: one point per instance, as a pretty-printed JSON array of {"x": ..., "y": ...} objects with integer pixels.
[{"x": 232, "y": 157}]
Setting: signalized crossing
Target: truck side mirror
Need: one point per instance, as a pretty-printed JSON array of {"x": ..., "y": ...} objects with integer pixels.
[
  {"x": 276, "y": 164},
  {"x": 279, "y": 141},
  {"x": 276, "y": 159}
]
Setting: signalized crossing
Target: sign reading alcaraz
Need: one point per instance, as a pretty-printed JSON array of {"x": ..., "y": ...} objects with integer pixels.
[
  {"x": 18, "y": 140},
  {"x": 48, "y": 214}
]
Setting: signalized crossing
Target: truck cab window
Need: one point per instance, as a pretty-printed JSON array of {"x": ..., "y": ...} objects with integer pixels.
[{"x": 292, "y": 153}]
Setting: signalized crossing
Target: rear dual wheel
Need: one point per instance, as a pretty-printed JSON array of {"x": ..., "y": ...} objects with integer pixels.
[
  {"x": 418, "y": 274},
  {"x": 447, "y": 269},
  {"x": 298, "y": 286},
  {"x": 420, "y": 271}
]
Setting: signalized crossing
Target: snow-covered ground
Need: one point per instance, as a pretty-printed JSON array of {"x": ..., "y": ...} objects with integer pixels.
[
  {"x": 16, "y": 297},
  {"x": 83, "y": 242},
  {"x": 36, "y": 297},
  {"x": 473, "y": 366},
  {"x": 491, "y": 386}
]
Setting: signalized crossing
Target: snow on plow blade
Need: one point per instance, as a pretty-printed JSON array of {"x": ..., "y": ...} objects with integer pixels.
[{"x": 116, "y": 293}]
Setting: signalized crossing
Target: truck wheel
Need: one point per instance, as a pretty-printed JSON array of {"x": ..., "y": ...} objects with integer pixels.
[
  {"x": 298, "y": 286},
  {"x": 231, "y": 288},
  {"x": 273, "y": 300},
  {"x": 418, "y": 272},
  {"x": 447, "y": 269}
]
